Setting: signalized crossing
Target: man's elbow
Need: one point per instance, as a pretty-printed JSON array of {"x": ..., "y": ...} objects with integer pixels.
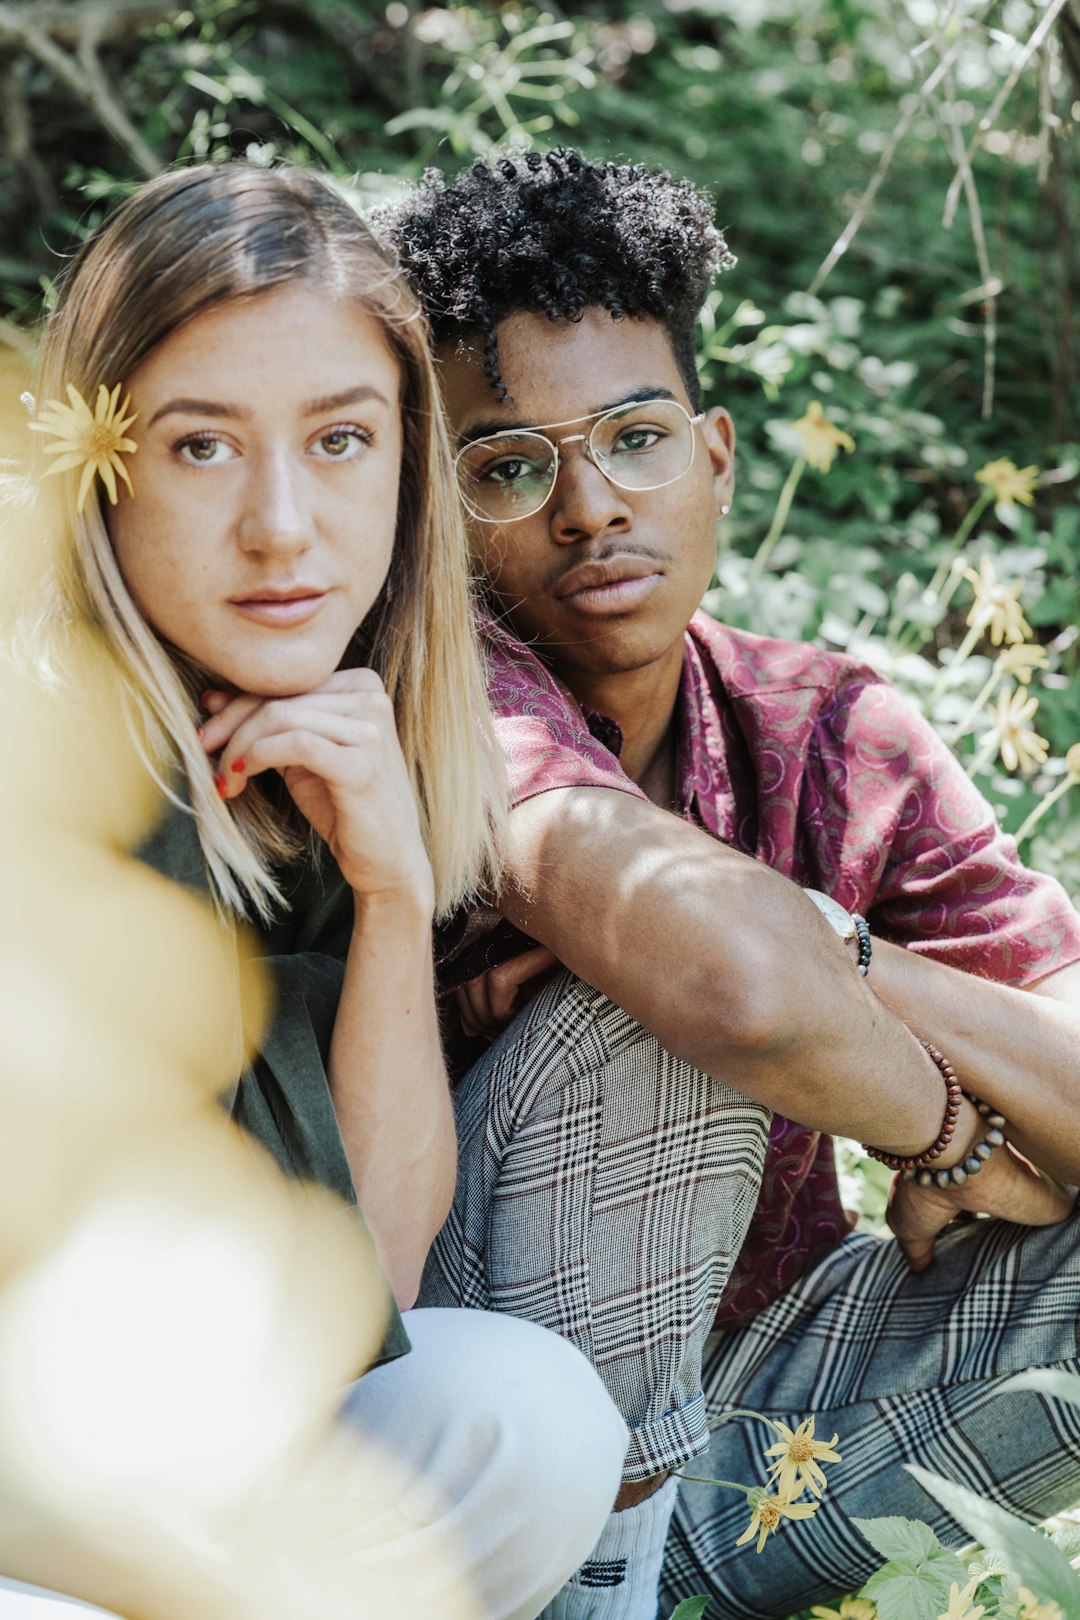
[{"x": 719, "y": 1018}]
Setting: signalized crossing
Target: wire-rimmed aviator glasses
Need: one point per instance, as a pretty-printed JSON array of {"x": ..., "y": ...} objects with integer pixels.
[{"x": 642, "y": 445}]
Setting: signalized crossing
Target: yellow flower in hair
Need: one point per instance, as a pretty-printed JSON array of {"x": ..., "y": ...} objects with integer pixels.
[
  {"x": 798, "y": 1455},
  {"x": 821, "y": 438},
  {"x": 1008, "y": 482},
  {"x": 94, "y": 440},
  {"x": 960, "y": 1605},
  {"x": 1019, "y": 746},
  {"x": 1021, "y": 659},
  {"x": 997, "y": 606},
  {"x": 851, "y": 1608},
  {"x": 768, "y": 1511}
]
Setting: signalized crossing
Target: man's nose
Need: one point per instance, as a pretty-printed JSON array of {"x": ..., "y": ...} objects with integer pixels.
[
  {"x": 584, "y": 502},
  {"x": 275, "y": 517}
]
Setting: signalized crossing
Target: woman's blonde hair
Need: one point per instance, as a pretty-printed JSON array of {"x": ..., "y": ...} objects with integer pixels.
[{"x": 181, "y": 245}]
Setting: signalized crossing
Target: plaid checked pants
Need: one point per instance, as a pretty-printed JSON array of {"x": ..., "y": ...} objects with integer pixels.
[
  {"x": 603, "y": 1192},
  {"x": 604, "y": 1189}
]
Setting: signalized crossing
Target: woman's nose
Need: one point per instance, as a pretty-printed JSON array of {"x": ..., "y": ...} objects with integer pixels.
[{"x": 275, "y": 516}]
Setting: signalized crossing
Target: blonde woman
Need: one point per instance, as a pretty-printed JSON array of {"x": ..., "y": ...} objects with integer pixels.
[{"x": 274, "y": 555}]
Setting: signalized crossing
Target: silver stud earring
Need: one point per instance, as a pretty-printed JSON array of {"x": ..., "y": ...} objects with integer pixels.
[{"x": 724, "y": 510}]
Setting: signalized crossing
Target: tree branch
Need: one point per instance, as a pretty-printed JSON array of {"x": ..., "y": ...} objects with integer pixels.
[{"x": 82, "y": 76}]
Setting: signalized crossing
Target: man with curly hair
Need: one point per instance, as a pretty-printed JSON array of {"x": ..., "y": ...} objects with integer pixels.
[{"x": 699, "y": 816}]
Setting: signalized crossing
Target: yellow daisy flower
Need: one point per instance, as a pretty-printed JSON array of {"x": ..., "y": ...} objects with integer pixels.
[
  {"x": 1018, "y": 745},
  {"x": 851, "y": 1608},
  {"x": 1021, "y": 659},
  {"x": 821, "y": 438},
  {"x": 1008, "y": 482},
  {"x": 797, "y": 1455},
  {"x": 960, "y": 1605},
  {"x": 767, "y": 1514},
  {"x": 997, "y": 606},
  {"x": 1072, "y": 763},
  {"x": 1034, "y": 1610},
  {"x": 93, "y": 440}
]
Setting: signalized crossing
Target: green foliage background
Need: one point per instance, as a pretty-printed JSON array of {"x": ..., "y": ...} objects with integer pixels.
[{"x": 787, "y": 111}]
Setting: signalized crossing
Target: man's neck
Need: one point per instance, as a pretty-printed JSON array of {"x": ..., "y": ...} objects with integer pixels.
[{"x": 642, "y": 702}]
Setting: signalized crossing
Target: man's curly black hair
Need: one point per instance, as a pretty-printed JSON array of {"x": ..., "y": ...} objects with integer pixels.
[{"x": 556, "y": 233}]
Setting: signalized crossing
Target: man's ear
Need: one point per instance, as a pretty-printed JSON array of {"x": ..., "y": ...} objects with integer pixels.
[{"x": 718, "y": 431}]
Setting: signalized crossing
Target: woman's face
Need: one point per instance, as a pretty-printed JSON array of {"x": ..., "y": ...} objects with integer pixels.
[{"x": 266, "y": 486}]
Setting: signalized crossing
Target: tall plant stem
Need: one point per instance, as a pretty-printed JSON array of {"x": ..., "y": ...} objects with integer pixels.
[
  {"x": 1025, "y": 828},
  {"x": 776, "y": 527},
  {"x": 963, "y": 652}
]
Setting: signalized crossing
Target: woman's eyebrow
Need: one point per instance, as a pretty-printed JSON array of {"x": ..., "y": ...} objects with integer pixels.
[
  {"x": 348, "y": 396},
  {"x": 238, "y": 413},
  {"x": 199, "y": 407}
]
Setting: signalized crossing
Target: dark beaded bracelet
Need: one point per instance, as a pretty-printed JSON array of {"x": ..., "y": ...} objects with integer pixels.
[
  {"x": 953, "y": 1094},
  {"x": 862, "y": 930},
  {"x": 972, "y": 1163}
]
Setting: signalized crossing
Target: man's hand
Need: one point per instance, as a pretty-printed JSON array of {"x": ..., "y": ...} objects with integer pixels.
[
  {"x": 1007, "y": 1186},
  {"x": 487, "y": 1004}
]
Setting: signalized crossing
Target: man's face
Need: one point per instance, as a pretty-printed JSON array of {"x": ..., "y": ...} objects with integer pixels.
[{"x": 601, "y": 579}]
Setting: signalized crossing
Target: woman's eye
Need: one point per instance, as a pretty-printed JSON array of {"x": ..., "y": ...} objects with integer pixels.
[
  {"x": 204, "y": 452},
  {"x": 341, "y": 443}
]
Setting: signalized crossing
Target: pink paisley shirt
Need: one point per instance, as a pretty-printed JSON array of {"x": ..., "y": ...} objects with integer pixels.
[{"x": 814, "y": 764}]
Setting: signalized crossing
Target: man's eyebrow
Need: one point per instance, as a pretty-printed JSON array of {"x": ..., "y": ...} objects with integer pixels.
[
  {"x": 222, "y": 411},
  {"x": 493, "y": 424}
]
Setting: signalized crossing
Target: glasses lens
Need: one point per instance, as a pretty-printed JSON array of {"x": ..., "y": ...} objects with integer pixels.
[
  {"x": 507, "y": 477},
  {"x": 644, "y": 446}
]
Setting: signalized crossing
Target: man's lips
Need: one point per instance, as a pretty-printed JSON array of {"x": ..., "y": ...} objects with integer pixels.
[{"x": 604, "y": 575}]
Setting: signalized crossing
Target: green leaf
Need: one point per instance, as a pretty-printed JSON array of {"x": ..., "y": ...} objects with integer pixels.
[
  {"x": 1033, "y": 1558},
  {"x": 690, "y": 1609},
  {"x": 897, "y": 1538},
  {"x": 914, "y": 1584},
  {"x": 1062, "y": 1386},
  {"x": 903, "y": 1591}
]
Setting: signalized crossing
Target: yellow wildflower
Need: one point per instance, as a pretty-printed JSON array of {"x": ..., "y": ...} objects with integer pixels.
[
  {"x": 1072, "y": 763},
  {"x": 1034, "y": 1610},
  {"x": 960, "y": 1605},
  {"x": 1021, "y": 659},
  {"x": 1008, "y": 482},
  {"x": 997, "y": 606},
  {"x": 821, "y": 438},
  {"x": 797, "y": 1457},
  {"x": 768, "y": 1512},
  {"x": 851, "y": 1608},
  {"x": 1019, "y": 746},
  {"x": 93, "y": 440}
]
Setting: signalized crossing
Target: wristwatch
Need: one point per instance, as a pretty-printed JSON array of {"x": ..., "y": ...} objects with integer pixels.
[{"x": 847, "y": 924}]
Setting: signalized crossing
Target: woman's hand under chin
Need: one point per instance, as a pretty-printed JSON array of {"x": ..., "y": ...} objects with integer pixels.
[{"x": 336, "y": 749}]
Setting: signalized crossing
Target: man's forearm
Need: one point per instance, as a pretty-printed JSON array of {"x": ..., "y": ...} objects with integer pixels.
[
  {"x": 1018, "y": 1050},
  {"x": 722, "y": 959}
]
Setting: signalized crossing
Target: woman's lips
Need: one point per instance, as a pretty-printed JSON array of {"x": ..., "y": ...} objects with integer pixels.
[{"x": 280, "y": 612}]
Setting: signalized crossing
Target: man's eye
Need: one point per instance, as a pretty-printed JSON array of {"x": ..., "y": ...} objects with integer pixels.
[
  {"x": 638, "y": 438},
  {"x": 204, "y": 451},
  {"x": 341, "y": 443},
  {"x": 511, "y": 470}
]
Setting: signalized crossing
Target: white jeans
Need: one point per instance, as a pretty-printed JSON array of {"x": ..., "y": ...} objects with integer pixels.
[{"x": 512, "y": 1452}]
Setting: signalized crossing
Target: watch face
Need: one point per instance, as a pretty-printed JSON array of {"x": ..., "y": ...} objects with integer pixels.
[{"x": 833, "y": 912}]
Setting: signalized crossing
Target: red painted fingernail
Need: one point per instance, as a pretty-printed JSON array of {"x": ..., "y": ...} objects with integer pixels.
[
  {"x": 204, "y": 698},
  {"x": 239, "y": 766},
  {"x": 222, "y": 786}
]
